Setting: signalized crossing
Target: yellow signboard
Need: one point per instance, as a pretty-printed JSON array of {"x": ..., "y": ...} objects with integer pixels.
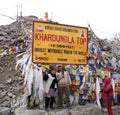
[{"x": 59, "y": 44}]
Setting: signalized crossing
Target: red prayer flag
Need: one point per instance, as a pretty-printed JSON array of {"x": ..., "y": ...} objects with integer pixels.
[{"x": 46, "y": 16}]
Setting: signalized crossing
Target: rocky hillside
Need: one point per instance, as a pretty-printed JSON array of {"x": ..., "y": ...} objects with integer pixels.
[
  {"x": 10, "y": 80},
  {"x": 10, "y": 37}
]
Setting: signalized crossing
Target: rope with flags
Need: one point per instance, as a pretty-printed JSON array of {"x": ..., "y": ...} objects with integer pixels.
[
  {"x": 91, "y": 33},
  {"x": 18, "y": 48}
]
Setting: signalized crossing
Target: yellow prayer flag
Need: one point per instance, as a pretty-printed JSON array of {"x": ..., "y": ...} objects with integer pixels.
[
  {"x": 106, "y": 62},
  {"x": 85, "y": 69},
  {"x": 88, "y": 53},
  {"x": 100, "y": 72},
  {"x": 46, "y": 66},
  {"x": 76, "y": 93},
  {"x": 106, "y": 73},
  {"x": 80, "y": 91},
  {"x": 75, "y": 82},
  {"x": 21, "y": 46},
  {"x": 10, "y": 51},
  {"x": 91, "y": 79},
  {"x": 73, "y": 71}
]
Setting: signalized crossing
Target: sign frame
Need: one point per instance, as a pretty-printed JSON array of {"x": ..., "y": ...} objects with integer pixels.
[{"x": 46, "y": 29}]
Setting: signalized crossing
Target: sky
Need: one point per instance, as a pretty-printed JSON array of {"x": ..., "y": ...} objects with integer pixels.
[{"x": 102, "y": 15}]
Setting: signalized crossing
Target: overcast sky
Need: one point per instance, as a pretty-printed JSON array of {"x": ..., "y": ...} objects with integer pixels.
[{"x": 102, "y": 15}]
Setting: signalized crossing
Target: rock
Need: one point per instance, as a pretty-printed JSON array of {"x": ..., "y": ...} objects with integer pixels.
[
  {"x": 9, "y": 81},
  {"x": 1, "y": 38},
  {"x": 2, "y": 86},
  {"x": 20, "y": 78},
  {"x": 22, "y": 111},
  {"x": 6, "y": 104},
  {"x": 16, "y": 91},
  {"x": 62, "y": 112},
  {"x": 10, "y": 95},
  {"x": 11, "y": 69},
  {"x": 6, "y": 98},
  {"x": 1, "y": 69},
  {"x": 76, "y": 110},
  {"x": 2, "y": 95},
  {"x": 1, "y": 101},
  {"x": 21, "y": 82},
  {"x": 5, "y": 111},
  {"x": 13, "y": 96}
]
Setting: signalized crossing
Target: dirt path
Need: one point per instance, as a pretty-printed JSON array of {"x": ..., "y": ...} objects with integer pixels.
[{"x": 115, "y": 112}]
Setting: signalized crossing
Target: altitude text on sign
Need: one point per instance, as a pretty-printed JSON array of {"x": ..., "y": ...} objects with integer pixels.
[{"x": 56, "y": 43}]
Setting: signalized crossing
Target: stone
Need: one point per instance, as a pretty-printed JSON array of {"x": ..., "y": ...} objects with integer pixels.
[
  {"x": 9, "y": 81},
  {"x": 10, "y": 95},
  {"x": 61, "y": 112},
  {"x": 77, "y": 110},
  {"x": 14, "y": 96},
  {"x": 21, "y": 82},
  {"x": 5, "y": 111},
  {"x": 72, "y": 112},
  {"x": 2, "y": 95},
  {"x": 22, "y": 111},
  {"x": 6, "y": 98},
  {"x": 2, "y": 86},
  {"x": 1, "y": 101}
]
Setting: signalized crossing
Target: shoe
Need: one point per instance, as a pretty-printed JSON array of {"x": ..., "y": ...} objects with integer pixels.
[
  {"x": 81, "y": 104},
  {"x": 69, "y": 107},
  {"x": 47, "y": 109},
  {"x": 60, "y": 107},
  {"x": 104, "y": 109},
  {"x": 52, "y": 108}
]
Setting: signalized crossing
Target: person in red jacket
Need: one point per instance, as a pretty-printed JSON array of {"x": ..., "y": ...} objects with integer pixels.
[{"x": 107, "y": 94}]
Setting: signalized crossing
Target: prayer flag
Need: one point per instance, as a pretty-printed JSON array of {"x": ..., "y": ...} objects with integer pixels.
[{"x": 46, "y": 16}]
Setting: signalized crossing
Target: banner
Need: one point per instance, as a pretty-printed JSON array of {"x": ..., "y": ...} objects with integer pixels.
[{"x": 57, "y": 43}]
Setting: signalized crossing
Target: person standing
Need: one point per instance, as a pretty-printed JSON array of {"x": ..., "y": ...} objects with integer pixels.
[
  {"x": 64, "y": 83},
  {"x": 118, "y": 93},
  {"x": 50, "y": 87},
  {"x": 107, "y": 94}
]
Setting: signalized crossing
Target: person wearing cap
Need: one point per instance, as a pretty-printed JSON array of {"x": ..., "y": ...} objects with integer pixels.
[
  {"x": 64, "y": 83},
  {"x": 50, "y": 87},
  {"x": 107, "y": 94}
]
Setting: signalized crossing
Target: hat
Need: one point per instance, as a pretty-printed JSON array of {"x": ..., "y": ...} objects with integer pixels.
[
  {"x": 107, "y": 80},
  {"x": 59, "y": 65},
  {"x": 52, "y": 66},
  {"x": 67, "y": 66}
]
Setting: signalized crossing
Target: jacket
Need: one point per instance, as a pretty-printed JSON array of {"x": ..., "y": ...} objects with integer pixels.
[
  {"x": 107, "y": 91},
  {"x": 63, "y": 79},
  {"x": 54, "y": 82}
]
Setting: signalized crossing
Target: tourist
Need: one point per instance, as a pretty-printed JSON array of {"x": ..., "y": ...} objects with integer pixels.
[
  {"x": 64, "y": 83},
  {"x": 107, "y": 94},
  {"x": 50, "y": 87}
]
